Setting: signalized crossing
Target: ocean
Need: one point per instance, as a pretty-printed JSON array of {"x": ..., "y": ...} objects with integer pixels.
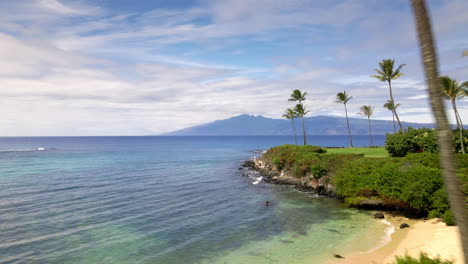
[{"x": 166, "y": 200}]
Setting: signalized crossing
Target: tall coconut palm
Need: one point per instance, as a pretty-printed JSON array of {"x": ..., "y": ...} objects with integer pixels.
[
  {"x": 301, "y": 111},
  {"x": 455, "y": 193},
  {"x": 368, "y": 110},
  {"x": 387, "y": 73},
  {"x": 392, "y": 107},
  {"x": 290, "y": 114},
  {"x": 343, "y": 98},
  {"x": 453, "y": 90}
]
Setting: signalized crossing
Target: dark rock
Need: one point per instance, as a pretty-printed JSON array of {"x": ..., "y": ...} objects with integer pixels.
[
  {"x": 404, "y": 225},
  {"x": 337, "y": 255},
  {"x": 249, "y": 164},
  {"x": 379, "y": 216},
  {"x": 240, "y": 168}
]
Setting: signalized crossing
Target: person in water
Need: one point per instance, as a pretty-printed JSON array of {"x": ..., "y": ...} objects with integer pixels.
[{"x": 267, "y": 203}]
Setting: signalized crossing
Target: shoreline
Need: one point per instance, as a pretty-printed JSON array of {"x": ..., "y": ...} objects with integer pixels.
[
  {"x": 432, "y": 236},
  {"x": 429, "y": 236}
]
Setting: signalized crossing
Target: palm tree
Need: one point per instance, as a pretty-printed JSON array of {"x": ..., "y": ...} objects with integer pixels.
[
  {"x": 455, "y": 193},
  {"x": 301, "y": 112},
  {"x": 290, "y": 114},
  {"x": 368, "y": 110},
  {"x": 297, "y": 96},
  {"x": 343, "y": 98},
  {"x": 392, "y": 107},
  {"x": 453, "y": 91},
  {"x": 387, "y": 74}
]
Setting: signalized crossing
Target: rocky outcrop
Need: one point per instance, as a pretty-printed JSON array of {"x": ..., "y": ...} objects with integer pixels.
[{"x": 272, "y": 174}]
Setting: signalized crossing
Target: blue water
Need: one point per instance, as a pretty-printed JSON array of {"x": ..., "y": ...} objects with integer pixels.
[{"x": 163, "y": 200}]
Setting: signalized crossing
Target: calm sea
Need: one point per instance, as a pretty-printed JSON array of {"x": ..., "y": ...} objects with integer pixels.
[{"x": 164, "y": 200}]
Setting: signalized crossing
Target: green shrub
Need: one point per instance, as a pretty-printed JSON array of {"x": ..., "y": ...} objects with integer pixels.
[
  {"x": 279, "y": 163},
  {"x": 423, "y": 259},
  {"x": 448, "y": 218},
  {"x": 318, "y": 171},
  {"x": 421, "y": 183},
  {"x": 411, "y": 141},
  {"x": 397, "y": 144},
  {"x": 404, "y": 182}
]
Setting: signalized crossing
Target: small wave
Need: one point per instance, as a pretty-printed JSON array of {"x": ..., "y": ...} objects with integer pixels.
[
  {"x": 26, "y": 149},
  {"x": 389, "y": 230},
  {"x": 260, "y": 151},
  {"x": 258, "y": 180}
]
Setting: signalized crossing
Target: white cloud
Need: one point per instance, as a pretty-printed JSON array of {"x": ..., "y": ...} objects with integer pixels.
[{"x": 109, "y": 74}]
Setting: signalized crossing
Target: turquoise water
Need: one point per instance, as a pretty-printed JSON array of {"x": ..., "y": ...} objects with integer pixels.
[{"x": 164, "y": 200}]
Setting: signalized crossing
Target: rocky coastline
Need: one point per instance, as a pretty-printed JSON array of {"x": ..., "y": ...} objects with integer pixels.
[
  {"x": 271, "y": 174},
  {"x": 322, "y": 186}
]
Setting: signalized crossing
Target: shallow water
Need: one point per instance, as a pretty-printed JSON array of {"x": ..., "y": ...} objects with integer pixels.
[{"x": 163, "y": 200}]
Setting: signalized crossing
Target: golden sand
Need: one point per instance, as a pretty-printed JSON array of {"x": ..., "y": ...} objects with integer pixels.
[{"x": 432, "y": 237}]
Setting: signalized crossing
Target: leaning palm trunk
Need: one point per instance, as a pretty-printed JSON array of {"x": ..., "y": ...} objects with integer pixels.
[
  {"x": 294, "y": 129},
  {"x": 447, "y": 160},
  {"x": 459, "y": 126},
  {"x": 393, "y": 102},
  {"x": 370, "y": 131},
  {"x": 349, "y": 130},
  {"x": 394, "y": 124},
  {"x": 398, "y": 120},
  {"x": 304, "y": 132}
]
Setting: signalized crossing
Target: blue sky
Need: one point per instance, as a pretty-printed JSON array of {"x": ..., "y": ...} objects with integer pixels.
[{"x": 118, "y": 67}]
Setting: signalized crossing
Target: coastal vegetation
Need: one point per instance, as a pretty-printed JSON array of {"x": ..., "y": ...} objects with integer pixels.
[
  {"x": 423, "y": 259},
  {"x": 363, "y": 176},
  {"x": 377, "y": 152},
  {"x": 411, "y": 141}
]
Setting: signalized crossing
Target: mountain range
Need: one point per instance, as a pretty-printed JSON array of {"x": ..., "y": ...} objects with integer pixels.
[{"x": 250, "y": 125}]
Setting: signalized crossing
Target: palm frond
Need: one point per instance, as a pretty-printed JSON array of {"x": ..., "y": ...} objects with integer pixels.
[
  {"x": 367, "y": 110},
  {"x": 300, "y": 110},
  {"x": 297, "y": 96},
  {"x": 343, "y": 97}
]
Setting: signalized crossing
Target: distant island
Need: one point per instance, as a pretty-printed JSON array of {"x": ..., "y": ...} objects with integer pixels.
[{"x": 250, "y": 125}]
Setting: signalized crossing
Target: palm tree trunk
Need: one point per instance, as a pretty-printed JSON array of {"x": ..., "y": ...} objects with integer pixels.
[
  {"x": 294, "y": 129},
  {"x": 459, "y": 118},
  {"x": 394, "y": 123},
  {"x": 447, "y": 160},
  {"x": 393, "y": 102},
  {"x": 370, "y": 131},
  {"x": 459, "y": 126},
  {"x": 349, "y": 130},
  {"x": 304, "y": 131},
  {"x": 398, "y": 119},
  {"x": 458, "y": 115}
]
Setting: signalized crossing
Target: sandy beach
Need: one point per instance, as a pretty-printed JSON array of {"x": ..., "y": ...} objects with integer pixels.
[{"x": 432, "y": 237}]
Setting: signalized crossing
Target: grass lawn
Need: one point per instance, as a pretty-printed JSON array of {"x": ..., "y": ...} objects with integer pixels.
[{"x": 368, "y": 152}]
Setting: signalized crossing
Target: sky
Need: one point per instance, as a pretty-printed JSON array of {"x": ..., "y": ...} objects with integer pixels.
[{"x": 145, "y": 67}]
